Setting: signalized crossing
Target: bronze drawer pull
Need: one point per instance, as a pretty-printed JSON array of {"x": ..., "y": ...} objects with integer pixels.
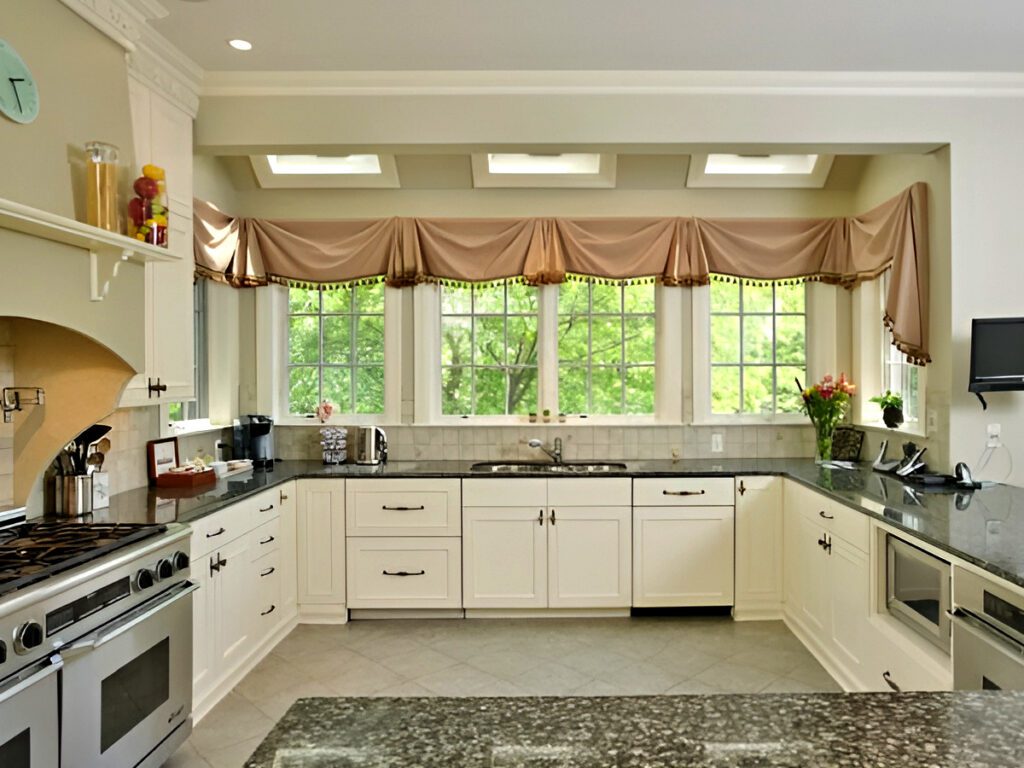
[
  {"x": 267, "y": 572},
  {"x": 827, "y": 517},
  {"x": 684, "y": 493},
  {"x": 404, "y": 573},
  {"x": 218, "y": 532},
  {"x": 267, "y": 540},
  {"x": 269, "y": 610},
  {"x": 890, "y": 682},
  {"x": 403, "y": 509},
  {"x": 266, "y": 509},
  {"x": 742, "y": 489}
]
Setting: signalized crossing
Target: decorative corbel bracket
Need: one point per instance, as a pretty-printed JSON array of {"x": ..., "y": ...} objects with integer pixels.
[{"x": 99, "y": 266}]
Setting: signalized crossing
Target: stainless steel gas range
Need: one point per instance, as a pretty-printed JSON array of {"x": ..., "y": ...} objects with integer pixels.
[{"x": 95, "y": 643}]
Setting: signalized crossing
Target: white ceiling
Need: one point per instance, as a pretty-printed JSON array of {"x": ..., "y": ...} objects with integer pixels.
[{"x": 372, "y": 35}]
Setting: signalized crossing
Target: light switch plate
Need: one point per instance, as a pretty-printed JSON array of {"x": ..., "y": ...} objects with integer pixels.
[{"x": 716, "y": 442}]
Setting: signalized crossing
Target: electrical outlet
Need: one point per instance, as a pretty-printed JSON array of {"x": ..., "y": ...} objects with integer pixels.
[
  {"x": 716, "y": 442},
  {"x": 933, "y": 420},
  {"x": 994, "y": 431}
]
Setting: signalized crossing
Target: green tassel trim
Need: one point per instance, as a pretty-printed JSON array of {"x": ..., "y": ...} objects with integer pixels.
[
  {"x": 572, "y": 277},
  {"x": 762, "y": 283},
  {"x": 335, "y": 286}
]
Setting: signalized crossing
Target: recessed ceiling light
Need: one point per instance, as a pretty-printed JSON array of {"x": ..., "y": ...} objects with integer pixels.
[
  {"x": 569, "y": 163},
  {"x": 240, "y": 45},
  {"x": 324, "y": 165},
  {"x": 760, "y": 164}
]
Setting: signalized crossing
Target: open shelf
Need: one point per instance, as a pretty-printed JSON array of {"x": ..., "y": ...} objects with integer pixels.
[{"x": 107, "y": 250}]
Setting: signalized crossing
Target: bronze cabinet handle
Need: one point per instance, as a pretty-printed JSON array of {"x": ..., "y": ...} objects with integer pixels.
[
  {"x": 218, "y": 532},
  {"x": 402, "y": 509},
  {"x": 269, "y": 610},
  {"x": 890, "y": 682},
  {"x": 827, "y": 517},
  {"x": 266, "y": 509},
  {"x": 404, "y": 573},
  {"x": 267, "y": 572},
  {"x": 552, "y": 518},
  {"x": 284, "y": 497},
  {"x": 684, "y": 493},
  {"x": 267, "y": 540},
  {"x": 540, "y": 517}
]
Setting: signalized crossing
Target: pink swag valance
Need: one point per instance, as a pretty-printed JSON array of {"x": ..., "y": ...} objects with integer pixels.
[{"x": 673, "y": 251}]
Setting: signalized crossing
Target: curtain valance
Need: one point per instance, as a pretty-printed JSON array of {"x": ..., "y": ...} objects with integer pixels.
[{"x": 673, "y": 251}]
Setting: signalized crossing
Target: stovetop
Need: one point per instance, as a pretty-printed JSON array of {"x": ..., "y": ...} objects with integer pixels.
[{"x": 33, "y": 551}]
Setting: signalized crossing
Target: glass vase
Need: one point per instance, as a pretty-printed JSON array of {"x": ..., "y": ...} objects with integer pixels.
[{"x": 823, "y": 442}]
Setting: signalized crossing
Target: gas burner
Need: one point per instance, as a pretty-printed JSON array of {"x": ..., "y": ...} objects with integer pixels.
[{"x": 33, "y": 551}]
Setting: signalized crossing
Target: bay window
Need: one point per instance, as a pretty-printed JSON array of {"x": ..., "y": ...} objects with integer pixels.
[{"x": 899, "y": 376}]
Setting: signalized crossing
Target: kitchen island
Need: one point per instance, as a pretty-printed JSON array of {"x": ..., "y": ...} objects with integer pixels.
[{"x": 881, "y": 730}]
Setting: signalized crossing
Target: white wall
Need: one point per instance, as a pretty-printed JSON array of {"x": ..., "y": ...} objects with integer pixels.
[{"x": 977, "y": 117}]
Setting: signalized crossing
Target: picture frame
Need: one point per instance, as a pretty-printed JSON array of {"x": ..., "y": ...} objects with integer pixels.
[{"x": 162, "y": 456}]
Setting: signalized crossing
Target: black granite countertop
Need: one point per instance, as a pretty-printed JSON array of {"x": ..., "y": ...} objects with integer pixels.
[
  {"x": 984, "y": 527},
  {"x": 881, "y": 730}
]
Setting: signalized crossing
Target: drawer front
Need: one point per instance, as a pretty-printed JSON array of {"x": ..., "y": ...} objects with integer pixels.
[
  {"x": 265, "y": 539},
  {"x": 505, "y": 492},
  {"x": 218, "y": 529},
  {"x": 267, "y": 572},
  {"x": 683, "y": 492},
  {"x": 851, "y": 525},
  {"x": 590, "y": 492},
  {"x": 265, "y": 505},
  {"x": 403, "y": 508},
  {"x": 409, "y": 572},
  {"x": 831, "y": 516}
]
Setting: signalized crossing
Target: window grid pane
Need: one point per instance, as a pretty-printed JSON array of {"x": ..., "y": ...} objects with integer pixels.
[
  {"x": 606, "y": 348},
  {"x": 898, "y": 375},
  {"x": 758, "y": 348},
  {"x": 336, "y": 349},
  {"x": 488, "y": 350}
]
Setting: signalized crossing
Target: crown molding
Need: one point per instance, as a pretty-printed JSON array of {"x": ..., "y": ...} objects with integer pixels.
[
  {"x": 151, "y": 57},
  {"x": 268, "y": 83}
]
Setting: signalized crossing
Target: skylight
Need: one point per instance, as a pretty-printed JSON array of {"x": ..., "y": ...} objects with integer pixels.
[
  {"x": 562, "y": 164},
  {"x": 320, "y": 165},
  {"x": 761, "y": 164}
]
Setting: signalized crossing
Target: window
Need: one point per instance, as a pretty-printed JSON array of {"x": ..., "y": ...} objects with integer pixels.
[
  {"x": 336, "y": 349},
  {"x": 606, "y": 348},
  {"x": 489, "y": 350},
  {"x": 898, "y": 375},
  {"x": 758, "y": 347},
  {"x": 199, "y": 408}
]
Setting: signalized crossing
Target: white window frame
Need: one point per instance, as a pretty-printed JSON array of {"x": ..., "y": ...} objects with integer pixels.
[
  {"x": 272, "y": 361},
  {"x": 668, "y": 362},
  {"x": 701, "y": 364}
]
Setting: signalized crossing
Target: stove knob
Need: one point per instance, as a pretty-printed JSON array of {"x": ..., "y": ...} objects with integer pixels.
[
  {"x": 180, "y": 561},
  {"x": 28, "y": 636},
  {"x": 164, "y": 570},
  {"x": 3, "y": 651},
  {"x": 144, "y": 579}
]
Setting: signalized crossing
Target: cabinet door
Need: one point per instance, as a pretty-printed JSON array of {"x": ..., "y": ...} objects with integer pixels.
[
  {"x": 682, "y": 556},
  {"x": 287, "y": 536},
  {"x": 758, "y": 543},
  {"x": 815, "y": 580},
  {"x": 589, "y": 557},
  {"x": 204, "y": 622},
  {"x": 504, "y": 557},
  {"x": 850, "y": 605},
  {"x": 235, "y": 603},
  {"x": 321, "y": 542},
  {"x": 792, "y": 539}
]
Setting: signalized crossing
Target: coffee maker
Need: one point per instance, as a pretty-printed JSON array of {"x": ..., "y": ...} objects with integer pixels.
[{"x": 255, "y": 440}]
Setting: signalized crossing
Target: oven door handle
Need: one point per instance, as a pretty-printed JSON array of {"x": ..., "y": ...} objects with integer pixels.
[
  {"x": 13, "y": 689},
  {"x": 132, "y": 619}
]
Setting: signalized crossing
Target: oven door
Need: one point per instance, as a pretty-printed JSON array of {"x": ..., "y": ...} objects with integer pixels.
[
  {"x": 983, "y": 658},
  {"x": 918, "y": 591},
  {"x": 128, "y": 686},
  {"x": 28, "y": 717}
]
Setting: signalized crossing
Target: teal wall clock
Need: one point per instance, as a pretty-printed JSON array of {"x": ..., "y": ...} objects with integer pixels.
[{"x": 19, "y": 96}]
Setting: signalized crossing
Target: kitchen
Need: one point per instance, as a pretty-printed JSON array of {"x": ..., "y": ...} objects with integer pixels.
[{"x": 599, "y": 482}]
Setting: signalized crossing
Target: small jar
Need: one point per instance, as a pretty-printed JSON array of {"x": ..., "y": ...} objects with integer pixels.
[{"x": 101, "y": 186}]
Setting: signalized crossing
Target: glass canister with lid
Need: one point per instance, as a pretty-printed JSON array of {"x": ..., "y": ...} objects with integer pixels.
[{"x": 102, "y": 209}]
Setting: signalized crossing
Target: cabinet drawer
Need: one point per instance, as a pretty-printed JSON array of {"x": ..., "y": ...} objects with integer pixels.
[
  {"x": 683, "y": 492},
  {"x": 403, "y": 508},
  {"x": 396, "y": 572},
  {"x": 265, "y": 506},
  {"x": 503, "y": 492},
  {"x": 265, "y": 539},
  {"x": 590, "y": 492},
  {"x": 267, "y": 572},
  {"x": 831, "y": 516},
  {"x": 218, "y": 529}
]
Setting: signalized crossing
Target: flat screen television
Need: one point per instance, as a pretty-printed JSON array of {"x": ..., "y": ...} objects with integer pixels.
[{"x": 997, "y": 354}]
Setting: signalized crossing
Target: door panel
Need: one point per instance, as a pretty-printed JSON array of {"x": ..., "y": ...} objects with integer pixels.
[
  {"x": 589, "y": 554},
  {"x": 504, "y": 557}
]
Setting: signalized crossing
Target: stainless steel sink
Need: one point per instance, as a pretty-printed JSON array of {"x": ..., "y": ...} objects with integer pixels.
[{"x": 548, "y": 468}]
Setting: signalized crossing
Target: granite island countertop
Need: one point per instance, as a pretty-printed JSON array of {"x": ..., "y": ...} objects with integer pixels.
[
  {"x": 880, "y": 730},
  {"x": 984, "y": 527}
]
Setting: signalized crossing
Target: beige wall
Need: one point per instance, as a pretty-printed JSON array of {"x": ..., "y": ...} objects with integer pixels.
[{"x": 83, "y": 96}]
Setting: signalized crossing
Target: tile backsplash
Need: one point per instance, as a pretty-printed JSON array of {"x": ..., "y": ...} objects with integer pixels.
[{"x": 590, "y": 442}]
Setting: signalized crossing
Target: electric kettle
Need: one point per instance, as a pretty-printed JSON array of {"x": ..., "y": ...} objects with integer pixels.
[{"x": 371, "y": 446}]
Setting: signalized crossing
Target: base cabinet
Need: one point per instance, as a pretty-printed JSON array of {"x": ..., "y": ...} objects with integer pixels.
[
  {"x": 404, "y": 572},
  {"x": 504, "y": 561},
  {"x": 682, "y": 556},
  {"x": 321, "y": 548},
  {"x": 759, "y": 550},
  {"x": 589, "y": 557}
]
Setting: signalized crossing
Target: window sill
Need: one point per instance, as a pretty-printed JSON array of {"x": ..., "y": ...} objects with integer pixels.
[
  {"x": 910, "y": 431},
  {"x": 195, "y": 427},
  {"x": 751, "y": 420}
]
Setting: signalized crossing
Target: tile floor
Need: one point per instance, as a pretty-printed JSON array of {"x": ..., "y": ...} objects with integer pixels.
[{"x": 544, "y": 657}]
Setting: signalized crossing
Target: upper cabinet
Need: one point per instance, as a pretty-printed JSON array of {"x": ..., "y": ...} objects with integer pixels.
[{"x": 163, "y": 136}]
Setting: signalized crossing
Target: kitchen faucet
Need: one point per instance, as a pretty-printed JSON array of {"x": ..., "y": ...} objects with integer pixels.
[{"x": 555, "y": 454}]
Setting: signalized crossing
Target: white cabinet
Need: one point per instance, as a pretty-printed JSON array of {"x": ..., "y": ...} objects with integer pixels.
[
  {"x": 567, "y": 546},
  {"x": 204, "y": 621},
  {"x": 321, "y": 547},
  {"x": 235, "y": 600},
  {"x": 759, "y": 547},
  {"x": 163, "y": 136},
  {"x": 289, "y": 550},
  {"x": 404, "y": 572},
  {"x": 682, "y": 556},
  {"x": 504, "y": 557}
]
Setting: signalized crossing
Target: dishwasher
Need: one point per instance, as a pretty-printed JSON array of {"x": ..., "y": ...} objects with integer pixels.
[{"x": 988, "y": 635}]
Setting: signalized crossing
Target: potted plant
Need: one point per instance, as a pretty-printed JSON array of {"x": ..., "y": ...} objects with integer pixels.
[
  {"x": 825, "y": 404},
  {"x": 891, "y": 404}
]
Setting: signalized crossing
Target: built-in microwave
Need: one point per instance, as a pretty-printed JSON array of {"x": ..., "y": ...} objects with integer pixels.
[{"x": 918, "y": 590}]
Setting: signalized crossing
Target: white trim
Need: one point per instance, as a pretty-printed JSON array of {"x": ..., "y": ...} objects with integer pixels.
[
  {"x": 386, "y": 179},
  {"x": 393, "y": 324},
  {"x": 668, "y": 355},
  {"x": 896, "y": 84},
  {"x": 427, "y": 354},
  {"x": 698, "y": 178},
  {"x": 547, "y": 351},
  {"x": 484, "y": 179}
]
